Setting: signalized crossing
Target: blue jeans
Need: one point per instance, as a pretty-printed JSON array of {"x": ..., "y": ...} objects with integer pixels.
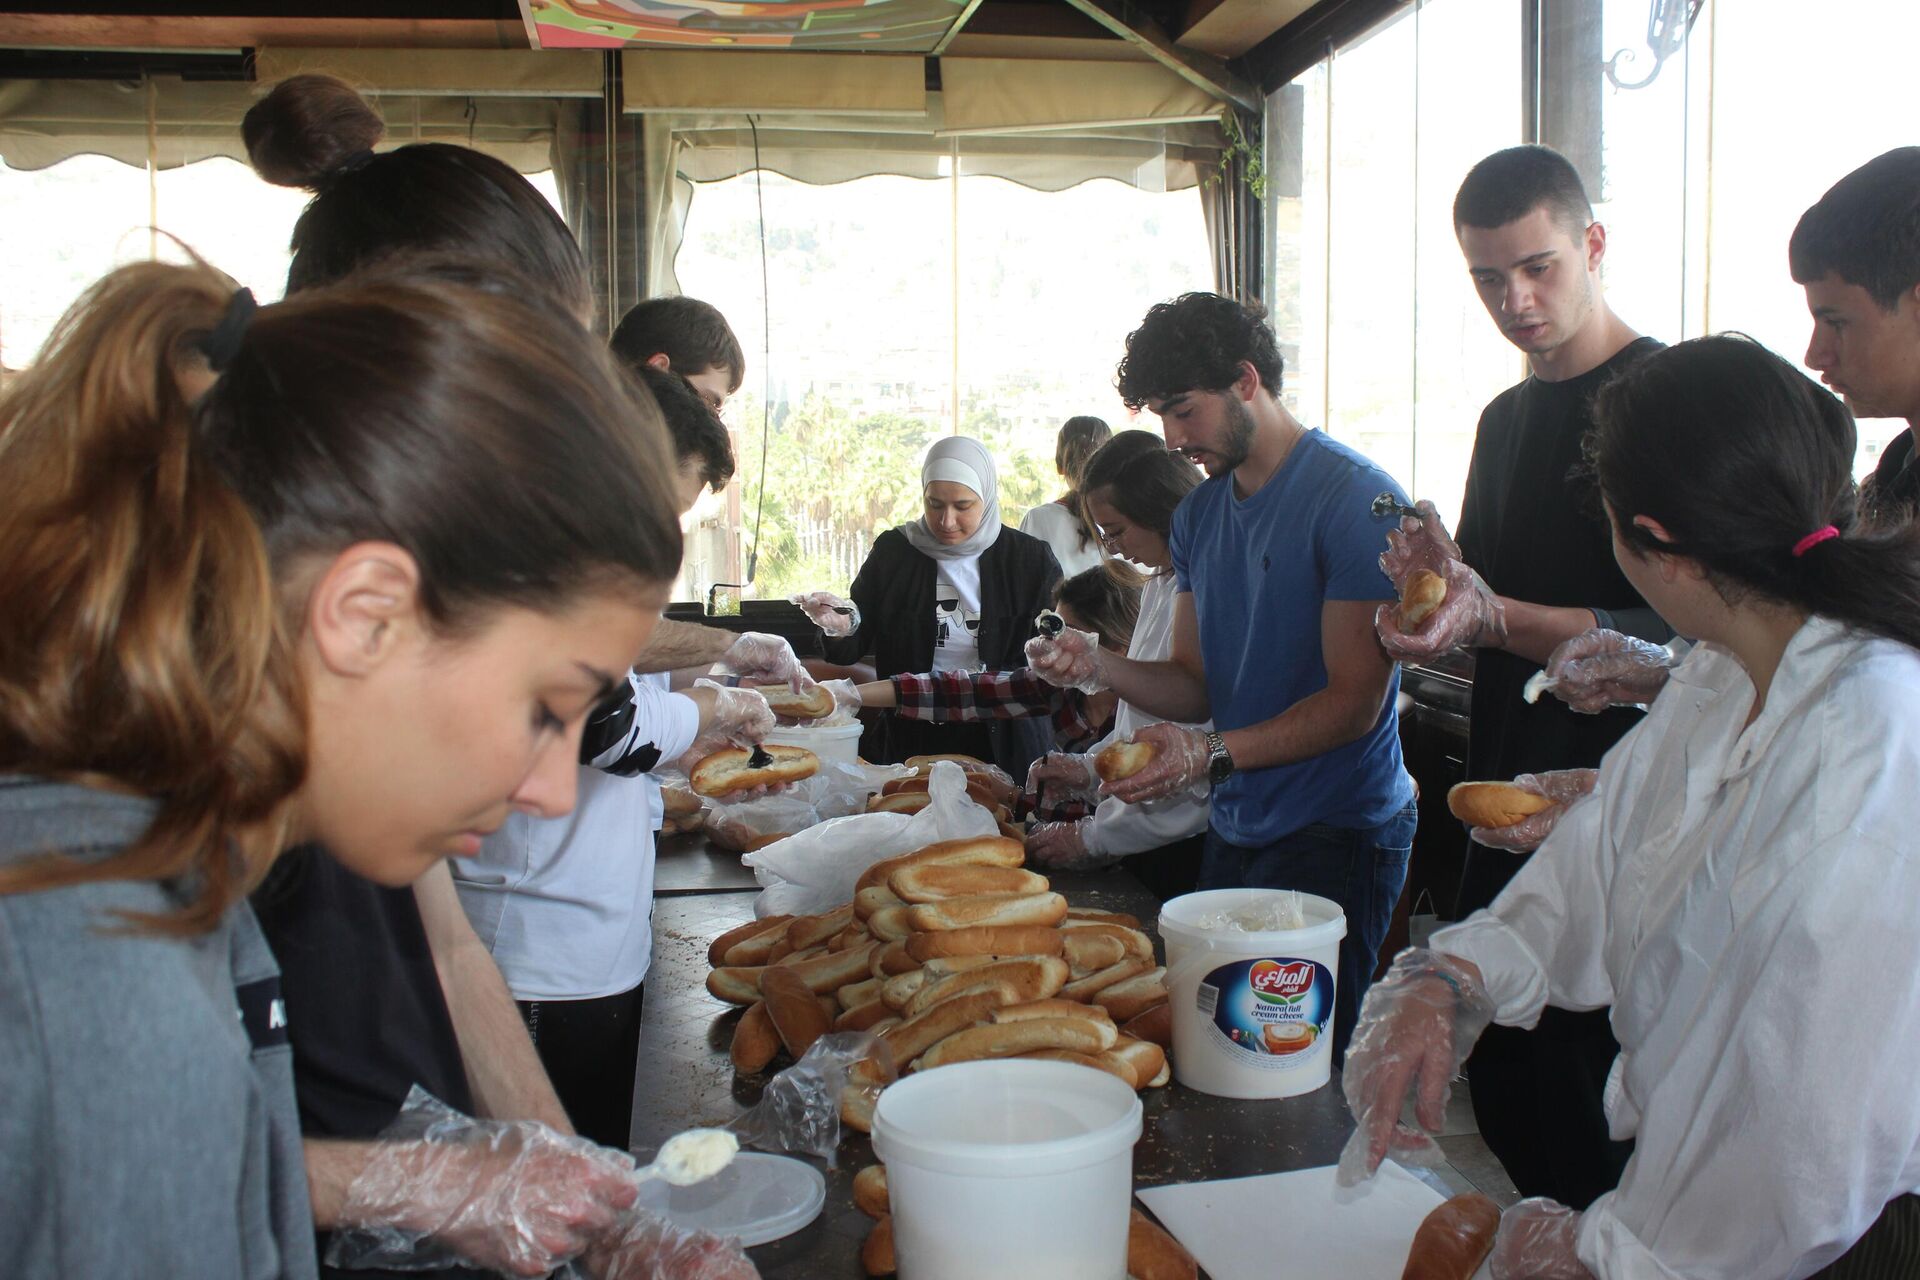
[{"x": 1361, "y": 868}]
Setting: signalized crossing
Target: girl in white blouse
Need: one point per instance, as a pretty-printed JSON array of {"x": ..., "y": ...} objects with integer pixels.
[{"x": 1740, "y": 885}]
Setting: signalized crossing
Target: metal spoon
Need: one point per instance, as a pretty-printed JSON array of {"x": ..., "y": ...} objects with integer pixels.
[
  {"x": 1387, "y": 505},
  {"x": 1049, "y": 624},
  {"x": 690, "y": 1157}
]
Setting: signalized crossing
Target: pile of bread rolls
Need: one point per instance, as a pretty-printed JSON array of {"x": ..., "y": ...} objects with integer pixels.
[
  {"x": 683, "y": 810},
  {"x": 951, "y": 953},
  {"x": 1152, "y": 1254}
]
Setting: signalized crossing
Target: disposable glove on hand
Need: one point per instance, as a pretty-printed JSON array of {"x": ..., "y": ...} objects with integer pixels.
[
  {"x": 833, "y": 615},
  {"x": 1471, "y": 616},
  {"x": 1536, "y": 1242},
  {"x": 1599, "y": 669},
  {"x": 740, "y": 715},
  {"x": 846, "y": 695},
  {"x": 648, "y": 1247},
  {"x": 1062, "y": 846},
  {"x": 1070, "y": 660},
  {"x": 1416, "y": 1027},
  {"x": 766, "y": 659},
  {"x": 1060, "y": 776},
  {"x": 1562, "y": 786},
  {"x": 1180, "y": 766},
  {"x": 512, "y": 1196}
]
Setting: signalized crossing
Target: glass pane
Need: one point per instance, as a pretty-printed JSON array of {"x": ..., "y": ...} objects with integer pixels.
[
  {"x": 62, "y": 228},
  {"x": 227, "y": 214}
]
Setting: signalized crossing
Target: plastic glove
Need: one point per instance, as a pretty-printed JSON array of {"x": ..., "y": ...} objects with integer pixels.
[
  {"x": 1070, "y": 660},
  {"x": 1062, "y": 846},
  {"x": 1068, "y": 774},
  {"x": 1536, "y": 1242},
  {"x": 1599, "y": 669},
  {"x": 846, "y": 696},
  {"x": 1562, "y": 786},
  {"x": 1181, "y": 764},
  {"x": 1470, "y": 617},
  {"x": 833, "y": 615},
  {"x": 505, "y": 1195},
  {"x": 740, "y": 715},
  {"x": 1416, "y": 1027},
  {"x": 648, "y": 1247},
  {"x": 767, "y": 659}
]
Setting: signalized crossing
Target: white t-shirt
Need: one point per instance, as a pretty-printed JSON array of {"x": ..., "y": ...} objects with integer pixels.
[
  {"x": 1054, "y": 525},
  {"x": 566, "y": 904},
  {"x": 956, "y": 614},
  {"x": 1742, "y": 896}
]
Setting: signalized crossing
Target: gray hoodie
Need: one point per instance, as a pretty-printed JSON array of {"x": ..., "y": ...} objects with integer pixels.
[{"x": 147, "y": 1120}]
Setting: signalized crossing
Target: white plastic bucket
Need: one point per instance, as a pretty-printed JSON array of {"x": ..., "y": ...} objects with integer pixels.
[
  {"x": 1252, "y": 1011},
  {"x": 1014, "y": 1169},
  {"x": 831, "y": 742}
]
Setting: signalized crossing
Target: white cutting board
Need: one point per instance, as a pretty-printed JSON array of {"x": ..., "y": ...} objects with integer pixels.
[{"x": 1283, "y": 1226}]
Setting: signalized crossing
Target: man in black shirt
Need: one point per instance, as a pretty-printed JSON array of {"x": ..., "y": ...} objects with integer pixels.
[
  {"x": 1857, "y": 252},
  {"x": 1532, "y": 527}
]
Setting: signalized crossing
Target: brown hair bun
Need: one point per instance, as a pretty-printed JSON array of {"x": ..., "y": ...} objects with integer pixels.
[{"x": 306, "y": 127}]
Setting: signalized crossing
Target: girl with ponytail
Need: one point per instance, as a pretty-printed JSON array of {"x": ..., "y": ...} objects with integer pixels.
[
  {"x": 1739, "y": 884},
  {"x": 1062, "y": 523},
  {"x": 363, "y": 588}
]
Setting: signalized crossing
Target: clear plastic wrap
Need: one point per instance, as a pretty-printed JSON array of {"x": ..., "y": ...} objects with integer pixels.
[{"x": 799, "y": 1111}]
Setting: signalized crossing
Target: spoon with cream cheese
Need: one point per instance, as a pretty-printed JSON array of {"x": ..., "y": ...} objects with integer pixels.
[{"x": 690, "y": 1157}]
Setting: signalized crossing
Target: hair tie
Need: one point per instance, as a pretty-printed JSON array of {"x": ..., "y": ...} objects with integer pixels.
[
  {"x": 223, "y": 344},
  {"x": 350, "y": 162},
  {"x": 1813, "y": 540}
]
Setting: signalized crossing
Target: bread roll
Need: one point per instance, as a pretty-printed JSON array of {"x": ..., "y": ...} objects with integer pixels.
[
  {"x": 943, "y": 966},
  {"x": 855, "y": 994},
  {"x": 1124, "y": 759},
  {"x": 679, "y": 802},
  {"x": 851, "y": 936},
  {"x": 1135, "y": 942},
  {"x": 991, "y": 908},
  {"x": 796, "y": 1014},
  {"x": 917, "y": 1034},
  {"x": 987, "y": 940},
  {"x": 1012, "y": 832},
  {"x": 1010, "y": 1040},
  {"x": 1097, "y": 1061},
  {"x": 1152, "y": 1254},
  {"x": 890, "y": 958},
  {"x": 900, "y": 802},
  {"x": 815, "y": 704},
  {"x": 890, "y": 924},
  {"x": 1087, "y": 951},
  {"x": 827, "y": 973},
  {"x": 979, "y": 789},
  {"x": 933, "y": 883},
  {"x": 1093, "y": 984},
  {"x": 755, "y": 1042},
  {"x": 871, "y": 899},
  {"x": 727, "y": 771},
  {"x": 924, "y": 764},
  {"x": 1143, "y": 1057},
  {"x": 1093, "y": 915},
  {"x": 863, "y": 1017},
  {"x": 1156, "y": 1024},
  {"x": 983, "y": 851},
  {"x": 736, "y": 986},
  {"x": 1133, "y": 996},
  {"x": 876, "y": 1253},
  {"x": 795, "y": 957},
  {"x": 807, "y": 931},
  {"x": 1453, "y": 1240},
  {"x": 1097, "y": 1019},
  {"x": 856, "y": 1106},
  {"x": 902, "y": 987},
  {"x": 1424, "y": 592},
  {"x": 1493, "y": 804},
  {"x": 717, "y": 953},
  {"x": 1026, "y": 978},
  {"x": 870, "y": 1191}
]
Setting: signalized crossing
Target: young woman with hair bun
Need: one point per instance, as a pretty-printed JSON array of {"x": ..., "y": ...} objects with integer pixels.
[
  {"x": 1739, "y": 884},
  {"x": 363, "y": 589},
  {"x": 1062, "y": 523}
]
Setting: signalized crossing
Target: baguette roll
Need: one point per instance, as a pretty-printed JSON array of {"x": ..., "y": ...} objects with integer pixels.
[
  {"x": 1156, "y": 1024},
  {"x": 890, "y": 958},
  {"x": 1088, "y": 952},
  {"x": 1055, "y": 1007},
  {"x": 815, "y": 704},
  {"x": 856, "y": 1106},
  {"x": 1124, "y": 759},
  {"x": 855, "y": 994},
  {"x": 870, "y": 1191},
  {"x": 900, "y": 802},
  {"x": 1453, "y": 1240},
  {"x": 1152, "y": 1254},
  {"x": 1094, "y": 983},
  {"x": 794, "y": 1009},
  {"x": 872, "y": 899},
  {"x": 876, "y": 1251},
  {"x": 717, "y": 952},
  {"x": 946, "y": 966},
  {"x": 897, "y": 990},
  {"x": 886, "y": 1024},
  {"x": 727, "y": 771},
  {"x": 982, "y": 851},
  {"x": 863, "y": 1017},
  {"x": 917, "y": 1034},
  {"x": 924, "y": 764},
  {"x": 851, "y": 936},
  {"x": 978, "y": 789},
  {"x": 990, "y": 908},
  {"x": 1135, "y": 942},
  {"x": 679, "y": 802},
  {"x": 1493, "y": 804},
  {"x": 1010, "y": 1040},
  {"x": 986, "y": 940},
  {"x": 1096, "y": 916},
  {"x": 826, "y": 973},
  {"x": 935, "y": 883},
  {"x": 1133, "y": 996},
  {"x": 890, "y": 924},
  {"x": 811, "y": 931},
  {"x": 1142, "y": 1057},
  {"x": 755, "y": 1042},
  {"x": 1098, "y": 1061},
  {"x": 792, "y": 958},
  {"x": 1025, "y": 978},
  {"x": 735, "y": 986}
]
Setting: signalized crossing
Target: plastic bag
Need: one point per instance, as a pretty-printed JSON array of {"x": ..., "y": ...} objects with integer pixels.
[
  {"x": 815, "y": 871},
  {"x": 799, "y": 1111}
]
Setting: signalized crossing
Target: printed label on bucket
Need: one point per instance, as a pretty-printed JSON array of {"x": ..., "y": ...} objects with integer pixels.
[{"x": 1275, "y": 1010}]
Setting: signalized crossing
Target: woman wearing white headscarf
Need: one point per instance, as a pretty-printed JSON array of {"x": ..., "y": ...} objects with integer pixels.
[{"x": 955, "y": 590}]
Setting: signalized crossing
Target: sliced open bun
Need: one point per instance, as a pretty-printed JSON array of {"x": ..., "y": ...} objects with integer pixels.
[
  {"x": 1124, "y": 759},
  {"x": 1425, "y": 592},
  {"x": 1493, "y": 804},
  {"x": 725, "y": 772}
]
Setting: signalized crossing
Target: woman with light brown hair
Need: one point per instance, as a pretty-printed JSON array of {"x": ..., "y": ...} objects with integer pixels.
[
  {"x": 1062, "y": 524},
  {"x": 363, "y": 589}
]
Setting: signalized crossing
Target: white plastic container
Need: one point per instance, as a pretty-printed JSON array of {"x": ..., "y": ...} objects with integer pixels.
[
  {"x": 831, "y": 742},
  {"x": 1013, "y": 1169},
  {"x": 1252, "y": 1010}
]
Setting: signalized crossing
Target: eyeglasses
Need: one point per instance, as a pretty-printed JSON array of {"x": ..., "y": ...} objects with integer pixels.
[{"x": 1111, "y": 541}]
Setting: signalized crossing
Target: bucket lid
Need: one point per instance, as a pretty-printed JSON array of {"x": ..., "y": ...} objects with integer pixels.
[
  {"x": 1006, "y": 1118},
  {"x": 756, "y": 1198},
  {"x": 1180, "y": 917}
]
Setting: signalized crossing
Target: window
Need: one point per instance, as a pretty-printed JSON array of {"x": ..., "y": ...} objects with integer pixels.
[{"x": 889, "y": 330}]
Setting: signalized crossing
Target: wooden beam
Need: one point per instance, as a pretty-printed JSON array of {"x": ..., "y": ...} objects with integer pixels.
[
  {"x": 954, "y": 30},
  {"x": 1304, "y": 41},
  {"x": 146, "y": 31},
  {"x": 1127, "y": 21}
]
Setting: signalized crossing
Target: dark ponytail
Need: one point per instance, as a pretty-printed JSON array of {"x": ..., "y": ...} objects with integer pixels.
[
  {"x": 1079, "y": 438},
  {"x": 317, "y": 133},
  {"x": 1746, "y": 462}
]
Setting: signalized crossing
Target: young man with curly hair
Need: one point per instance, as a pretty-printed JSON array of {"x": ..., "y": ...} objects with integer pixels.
[{"x": 1276, "y": 562}]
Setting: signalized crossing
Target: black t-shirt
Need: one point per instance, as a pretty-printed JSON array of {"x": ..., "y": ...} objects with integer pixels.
[
  {"x": 1533, "y": 526},
  {"x": 1894, "y": 489},
  {"x": 366, "y": 1013}
]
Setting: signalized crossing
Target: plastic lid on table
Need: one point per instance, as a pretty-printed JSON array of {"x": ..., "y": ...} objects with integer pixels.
[{"x": 755, "y": 1199}]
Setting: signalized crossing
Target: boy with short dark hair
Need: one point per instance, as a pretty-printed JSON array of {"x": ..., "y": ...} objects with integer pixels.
[{"x": 685, "y": 335}]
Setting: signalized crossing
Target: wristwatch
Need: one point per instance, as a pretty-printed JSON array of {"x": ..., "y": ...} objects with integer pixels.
[{"x": 1219, "y": 763}]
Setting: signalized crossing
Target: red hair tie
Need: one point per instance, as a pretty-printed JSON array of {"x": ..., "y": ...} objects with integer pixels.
[{"x": 1813, "y": 540}]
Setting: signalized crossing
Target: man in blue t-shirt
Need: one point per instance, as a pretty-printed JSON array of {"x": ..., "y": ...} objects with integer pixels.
[{"x": 1277, "y": 563}]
